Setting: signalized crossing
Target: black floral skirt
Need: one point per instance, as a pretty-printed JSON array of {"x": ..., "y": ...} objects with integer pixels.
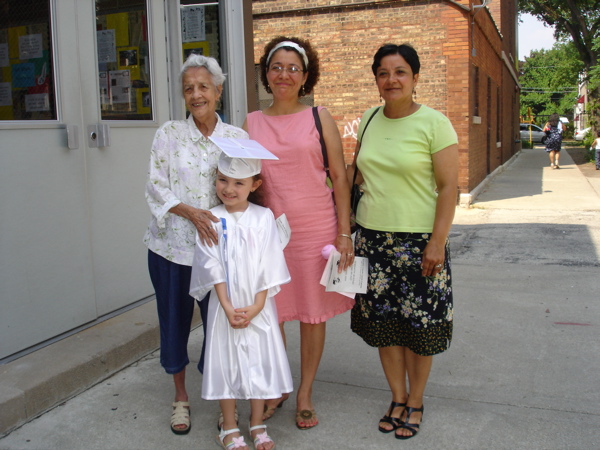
[{"x": 401, "y": 307}]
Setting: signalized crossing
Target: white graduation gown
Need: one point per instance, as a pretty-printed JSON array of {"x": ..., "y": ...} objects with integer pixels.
[{"x": 247, "y": 363}]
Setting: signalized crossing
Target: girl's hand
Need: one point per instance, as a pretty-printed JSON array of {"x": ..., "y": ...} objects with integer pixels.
[
  {"x": 249, "y": 312},
  {"x": 236, "y": 319},
  {"x": 433, "y": 259},
  {"x": 345, "y": 246}
]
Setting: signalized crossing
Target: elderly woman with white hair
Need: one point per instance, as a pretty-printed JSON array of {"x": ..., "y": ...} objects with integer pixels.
[{"x": 180, "y": 190}]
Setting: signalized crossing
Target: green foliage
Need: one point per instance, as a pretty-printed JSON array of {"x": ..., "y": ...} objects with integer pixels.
[
  {"x": 578, "y": 20},
  {"x": 569, "y": 129},
  {"x": 594, "y": 73},
  {"x": 549, "y": 80},
  {"x": 588, "y": 139},
  {"x": 593, "y": 107}
]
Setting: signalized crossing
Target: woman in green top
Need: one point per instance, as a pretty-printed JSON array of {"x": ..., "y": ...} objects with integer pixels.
[{"x": 408, "y": 168}]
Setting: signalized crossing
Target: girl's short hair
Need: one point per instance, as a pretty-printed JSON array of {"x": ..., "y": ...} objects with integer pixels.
[
  {"x": 311, "y": 54},
  {"x": 209, "y": 63},
  {"x": 407, "y": 51}
]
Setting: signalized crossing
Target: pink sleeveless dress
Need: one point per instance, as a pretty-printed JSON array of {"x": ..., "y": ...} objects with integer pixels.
[{"x": 295, "y": 185}]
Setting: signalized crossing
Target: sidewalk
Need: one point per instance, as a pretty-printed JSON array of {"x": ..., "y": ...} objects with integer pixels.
[{"x": 522, "y": 371}]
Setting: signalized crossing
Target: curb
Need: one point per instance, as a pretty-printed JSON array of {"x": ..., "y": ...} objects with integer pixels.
[{"x": 42, "y": 380}]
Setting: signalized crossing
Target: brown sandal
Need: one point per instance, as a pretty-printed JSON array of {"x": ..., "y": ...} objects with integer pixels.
[
  {"x": 270, "y": 410},
  {"x": 303, "y": 416}
]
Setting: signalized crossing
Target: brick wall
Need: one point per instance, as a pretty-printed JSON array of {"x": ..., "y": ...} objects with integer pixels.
[{"x": 347, "y": 33}]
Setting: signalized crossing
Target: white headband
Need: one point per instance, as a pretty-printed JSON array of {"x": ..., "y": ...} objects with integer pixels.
[{"x": 289, "y": 44}]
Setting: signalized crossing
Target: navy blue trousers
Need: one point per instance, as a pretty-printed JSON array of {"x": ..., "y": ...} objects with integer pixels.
[{"x": 175, "y": 306}]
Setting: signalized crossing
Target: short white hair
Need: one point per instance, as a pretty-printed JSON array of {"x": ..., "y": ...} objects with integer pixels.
[{"x": 209, "y": 63}]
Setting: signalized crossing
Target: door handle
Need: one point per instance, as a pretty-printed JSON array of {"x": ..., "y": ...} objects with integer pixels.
[
  {"x": 73, "y": 137},
  {"x": 98, "y": 135}
]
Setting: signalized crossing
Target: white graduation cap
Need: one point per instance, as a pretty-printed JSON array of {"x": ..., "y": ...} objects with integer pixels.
[{"x": 241, "y": 158}]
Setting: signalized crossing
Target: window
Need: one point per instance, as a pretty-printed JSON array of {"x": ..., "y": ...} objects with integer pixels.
[
  {"x": 27, "y": 84},
  {"x": 200, "y": 34},
  {"x": 476, "y": 90},
  {"x": 123, "y": 60}
]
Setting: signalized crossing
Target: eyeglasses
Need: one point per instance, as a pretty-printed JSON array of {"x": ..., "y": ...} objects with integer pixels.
[{"x": 292, "y": 70}]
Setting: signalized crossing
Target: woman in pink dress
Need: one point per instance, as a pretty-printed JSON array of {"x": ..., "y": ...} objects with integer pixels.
[{"x": 296, "y": 185}]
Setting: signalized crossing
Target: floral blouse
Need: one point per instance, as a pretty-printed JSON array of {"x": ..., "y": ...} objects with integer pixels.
[{"x": 182, "y": 170}]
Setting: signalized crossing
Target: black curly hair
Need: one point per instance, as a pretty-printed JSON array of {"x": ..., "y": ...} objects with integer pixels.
[{"x": 311, "y": 55}]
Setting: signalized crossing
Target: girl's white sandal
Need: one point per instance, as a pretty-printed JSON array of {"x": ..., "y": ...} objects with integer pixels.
[
  {"x": 237, "y": 442},
  {"x": 261, "y": 438}
]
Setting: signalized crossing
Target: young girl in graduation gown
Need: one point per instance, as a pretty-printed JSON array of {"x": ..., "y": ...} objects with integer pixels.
[{"x": 245, "y": 354}]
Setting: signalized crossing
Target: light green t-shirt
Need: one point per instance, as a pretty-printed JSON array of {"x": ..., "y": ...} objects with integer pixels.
[{"x": 396, "y": 165}]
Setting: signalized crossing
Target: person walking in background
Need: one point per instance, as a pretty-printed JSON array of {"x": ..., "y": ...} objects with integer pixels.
[
  {"x": 179, "y": 191},
  {"x": 245, "y": 354},
  {"x": 296, "y": 185},
  {"x": 596, "y": 146},
  {"x": 554, "y": 129},
  {"x": 408, "y": 168}
]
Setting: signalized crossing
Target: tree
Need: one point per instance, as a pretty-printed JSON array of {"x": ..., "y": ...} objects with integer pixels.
[
  {"x": 549, "y": 80},
  {"x": 578, "y": 20}
]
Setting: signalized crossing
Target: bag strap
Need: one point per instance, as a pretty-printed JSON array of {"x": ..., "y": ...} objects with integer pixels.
[
  {"x": 368, "y": 122},
  {"x": 315, "y": 111},
  {"x": 360, "y": 140}
]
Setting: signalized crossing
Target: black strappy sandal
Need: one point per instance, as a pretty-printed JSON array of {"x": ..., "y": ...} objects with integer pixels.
[
  {"x": 395, "y": 422},
  {"x": 412, "y": 427}
]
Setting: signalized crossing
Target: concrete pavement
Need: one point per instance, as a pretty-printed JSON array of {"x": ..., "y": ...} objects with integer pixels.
[{"x": 522, "y": 371}]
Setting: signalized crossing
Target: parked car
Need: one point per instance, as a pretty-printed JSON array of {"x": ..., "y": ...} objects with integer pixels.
[
  {"x": 580, "y": 135},
  {"x": 533, "y": 132}
]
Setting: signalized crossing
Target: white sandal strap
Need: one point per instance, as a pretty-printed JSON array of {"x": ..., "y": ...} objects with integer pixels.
[
  {"x": 256, "y": 427},
  {"x": 224, "y": 433}
]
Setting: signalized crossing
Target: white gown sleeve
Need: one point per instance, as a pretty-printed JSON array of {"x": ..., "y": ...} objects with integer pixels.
[
  {"x": 272, "y": 269},
  {"x": 207, "y": 269}
]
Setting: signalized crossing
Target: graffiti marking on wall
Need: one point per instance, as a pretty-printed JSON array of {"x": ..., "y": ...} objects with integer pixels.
[{"x": 351, "y": 128}]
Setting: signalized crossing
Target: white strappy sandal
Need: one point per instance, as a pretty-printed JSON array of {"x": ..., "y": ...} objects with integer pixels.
[
  {"x": 261, "y": 438},
  {"x": 237, "y": 442}
]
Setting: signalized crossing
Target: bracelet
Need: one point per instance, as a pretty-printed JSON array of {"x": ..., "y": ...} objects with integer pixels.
[{"x": 345, "y": 235}]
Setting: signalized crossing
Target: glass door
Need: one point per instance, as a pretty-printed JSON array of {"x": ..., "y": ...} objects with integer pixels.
[
  {"x": 46, "y": 273},
  {"x": 83, "y": 87},
  {"x": 123, "y": 66}
]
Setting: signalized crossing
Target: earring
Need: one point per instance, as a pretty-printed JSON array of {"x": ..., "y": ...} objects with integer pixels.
[
  {"x": 415, "y": 95},
  {"x": 380, "y": 99},
  {"x": 302, "y": 91},
  {"x": 268, "y": 89}
]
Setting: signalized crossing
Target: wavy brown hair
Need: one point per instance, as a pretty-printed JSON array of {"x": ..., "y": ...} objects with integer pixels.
[{"x": 257, "y": 197}]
